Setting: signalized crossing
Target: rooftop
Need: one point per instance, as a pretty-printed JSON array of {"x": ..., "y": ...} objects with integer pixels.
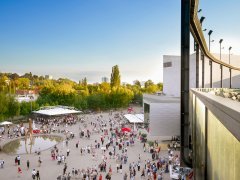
[{"x": 152, "y": 98}]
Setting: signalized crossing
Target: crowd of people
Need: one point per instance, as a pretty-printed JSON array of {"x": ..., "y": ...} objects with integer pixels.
[{"x": 109, "y": 151}]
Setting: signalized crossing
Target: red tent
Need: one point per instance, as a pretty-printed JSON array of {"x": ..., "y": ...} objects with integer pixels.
[
  {"x": 126, "y": 129},
  {"x": 130, "y": 109}
]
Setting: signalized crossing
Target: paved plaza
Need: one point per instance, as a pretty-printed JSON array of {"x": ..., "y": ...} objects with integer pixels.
[{"x": 50, "y": 170}]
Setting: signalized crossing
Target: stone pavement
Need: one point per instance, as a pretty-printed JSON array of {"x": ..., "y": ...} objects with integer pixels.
[{"x": 49, "y": 170}]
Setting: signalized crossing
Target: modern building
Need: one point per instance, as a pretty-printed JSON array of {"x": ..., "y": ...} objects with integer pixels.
[
  {"x": 171, "y": 74},
  {"x": 105, "y": 79},
  {"x": 48, "y": 77},
  {"x": 162, "y": 112}
]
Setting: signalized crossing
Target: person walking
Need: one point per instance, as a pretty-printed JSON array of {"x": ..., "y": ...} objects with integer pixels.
[
  {"x": 100, "y": 177},
  {"x": 18, "y": 159},
  {"x": 68, "y": 151},
  {"x": 39, "y": 161},
  {"x": 38, "y": 175},
  {"x": 65, "y": 168},
  {"x": 33, "y": 174},
  {"x": 125, "y": 176},
  {"x": 28, "y": 164}
]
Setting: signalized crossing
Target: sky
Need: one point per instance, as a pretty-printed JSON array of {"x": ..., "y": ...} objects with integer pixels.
[{"x": 85, "y": 38}]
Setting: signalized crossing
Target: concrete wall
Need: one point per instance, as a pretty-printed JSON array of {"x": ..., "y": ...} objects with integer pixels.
[
  {"x": 171, "y": 75},
  {"x": 164, "y": 120},
  {"x": 216, "y": 145}
]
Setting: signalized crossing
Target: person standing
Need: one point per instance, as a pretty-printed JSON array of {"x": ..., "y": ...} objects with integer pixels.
[
  {"x": 33, "y": 174},
  {"x": 39, "y": 161},
  {"x": 28, "y": 164},
  {"x": 65, "y": 168},
  {"x": 18, "y": 159},
  {"x": 38, "y": 175},
  {"x": 100, "y": 177},
  {"x": 68, "y": 151},
  {"x": 125, "y": 176}
]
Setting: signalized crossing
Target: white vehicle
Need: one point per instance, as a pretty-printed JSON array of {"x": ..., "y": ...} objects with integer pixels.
[{"x": 177, "y": 172}]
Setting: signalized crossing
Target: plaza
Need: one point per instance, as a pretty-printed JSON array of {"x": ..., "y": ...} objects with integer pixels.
[{"x": 49, "y": 168}]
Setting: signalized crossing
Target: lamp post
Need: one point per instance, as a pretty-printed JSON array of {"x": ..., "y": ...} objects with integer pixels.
[
  {"x": 221, "y": 67},
  {"x": 209, "y": 39},
  {"x": 201, "y": 20},
  {"x": 229, "y": 54},
  {"x": 210, "y": 62},
  {"x": 202, "y": 55},
  {"x": 230, "y": 70}
]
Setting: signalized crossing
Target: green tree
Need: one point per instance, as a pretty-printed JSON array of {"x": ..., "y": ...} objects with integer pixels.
[
  {"x": 137, "y": 83},
  {"x": 115, "y": 77},
  {"x": 148, "y": 83}
]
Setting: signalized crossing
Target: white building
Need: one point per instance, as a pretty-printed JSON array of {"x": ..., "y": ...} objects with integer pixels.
[
  {"x": 171, "y": 74},
  {"x": 105, "y": 79},
  {"x": 163, "y": 112},
  {"x": 48, "y": 77}
]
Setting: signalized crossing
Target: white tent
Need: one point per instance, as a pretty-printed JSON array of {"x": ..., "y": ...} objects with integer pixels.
[
  {"x": 57, "y": 110},
  {"x": 5, "y": 123},
  {"x": 140, "y": 116},
  {"x": 133, "y": 118}
]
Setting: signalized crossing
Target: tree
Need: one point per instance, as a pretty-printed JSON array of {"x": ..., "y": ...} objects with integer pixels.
[
  {"x": 84, "y": 82},
  {"x": 160, "y": 86},
  {"x": 115, "y": 77},
  {"x": 148, "y": 83},
  {"x": 137, "y": 83}
]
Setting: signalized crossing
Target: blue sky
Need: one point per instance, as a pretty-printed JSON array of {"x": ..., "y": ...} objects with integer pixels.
[{"x": 79, "y": 38}]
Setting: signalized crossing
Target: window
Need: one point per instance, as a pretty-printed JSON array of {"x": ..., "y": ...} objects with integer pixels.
[{"x": 167, "y": 64}]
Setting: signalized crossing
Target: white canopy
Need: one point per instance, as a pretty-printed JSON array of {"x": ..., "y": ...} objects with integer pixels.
[
  {"x": 133, "y": 118},
  {"x": 140, "y": 116},
  {"x": 57, "y": 110},
  {"x": 5, "y": 123}
]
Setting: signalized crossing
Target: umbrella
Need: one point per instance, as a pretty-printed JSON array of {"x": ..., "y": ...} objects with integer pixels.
[
  {"x": 5, "y": 123},
  {"x": 126, "y": 129}
]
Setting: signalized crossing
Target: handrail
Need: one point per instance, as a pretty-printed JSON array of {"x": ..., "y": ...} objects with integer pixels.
[{"x": 196, "y": 30}]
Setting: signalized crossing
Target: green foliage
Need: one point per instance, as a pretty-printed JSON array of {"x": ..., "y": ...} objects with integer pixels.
[
  {"x": 9, "y": 107},
  {"x": 66, "y": 92},
  {"x": 115, "y": 77}
]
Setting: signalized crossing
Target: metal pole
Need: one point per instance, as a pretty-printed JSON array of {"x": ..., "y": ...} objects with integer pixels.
[
  {"x": 210, "y": 63},
  {"x": 185, "y": 50},
  {"x": 230, "y": 72},
  {"x": 203, "y": 69},
  {"x": 197, "y": 65},
  {"x": 221, "y": 67},
  {"x": 209, "y": 42}
]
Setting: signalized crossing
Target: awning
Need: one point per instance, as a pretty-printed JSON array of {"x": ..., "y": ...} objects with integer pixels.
[
  {"x": 55, "y": 111},
  {"x": 133, "y": 118},
  {"x": 5, "y": 123}
]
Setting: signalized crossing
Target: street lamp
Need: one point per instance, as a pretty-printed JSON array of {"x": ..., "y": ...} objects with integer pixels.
[
  {"x": 229, "y": 53},
  {"x": 230, "y": 70},
  {"x": 201, "y": 20},
  {"x": 204, "y": 29},
  {"x": 209, "y": 34},
  {"x": 199, "y": 10},
  {"x": 220, "y": 42},
  {"x": 221, "y": 67}
]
